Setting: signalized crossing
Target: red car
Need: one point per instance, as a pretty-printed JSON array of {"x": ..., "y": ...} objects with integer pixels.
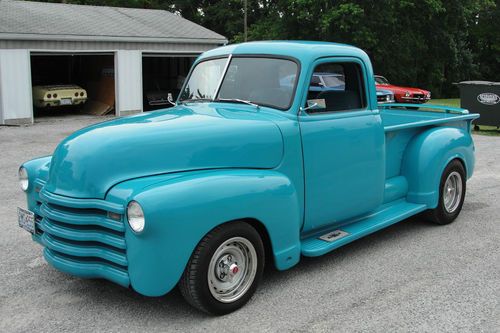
[{"x": 403, "y": 94}]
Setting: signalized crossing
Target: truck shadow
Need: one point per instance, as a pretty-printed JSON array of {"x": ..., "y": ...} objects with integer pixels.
[{"x": 172, "y": 305}]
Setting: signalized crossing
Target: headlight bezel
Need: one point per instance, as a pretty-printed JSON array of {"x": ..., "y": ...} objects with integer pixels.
[
  {"x": 23, "y": 177},
  {"x": 135, "y": 217}
]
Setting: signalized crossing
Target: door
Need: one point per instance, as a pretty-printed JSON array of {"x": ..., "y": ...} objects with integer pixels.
[{"x": 343, "y": 146}]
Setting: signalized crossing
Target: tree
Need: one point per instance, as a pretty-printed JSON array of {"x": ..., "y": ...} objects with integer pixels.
[{"x": 426, "y": 43}]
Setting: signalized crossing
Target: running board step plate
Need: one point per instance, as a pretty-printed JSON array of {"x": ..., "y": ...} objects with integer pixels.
[
  {"x": 387, "y": 215},
  {"x": 334, "y": 235}
]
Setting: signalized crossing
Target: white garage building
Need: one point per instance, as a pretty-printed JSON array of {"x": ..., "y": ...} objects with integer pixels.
[{"x": 117, "y": 54}]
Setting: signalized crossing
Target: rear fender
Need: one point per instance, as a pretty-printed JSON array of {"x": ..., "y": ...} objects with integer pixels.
[
  {"x": 426, "y": 157},
  {"x": 181, "y": 210}
]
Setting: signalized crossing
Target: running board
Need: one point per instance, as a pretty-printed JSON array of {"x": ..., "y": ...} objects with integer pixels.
[{"x": 389, "y": 214}]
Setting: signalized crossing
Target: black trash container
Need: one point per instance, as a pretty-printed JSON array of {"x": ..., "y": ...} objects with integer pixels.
[{"x": 481, "y": 97}]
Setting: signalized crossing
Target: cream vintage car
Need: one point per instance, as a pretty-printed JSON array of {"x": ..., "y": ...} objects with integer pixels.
[{"x": 58, "y": 95}]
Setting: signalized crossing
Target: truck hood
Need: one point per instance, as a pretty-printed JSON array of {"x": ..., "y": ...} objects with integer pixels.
[{"x": 200, "y": 136}]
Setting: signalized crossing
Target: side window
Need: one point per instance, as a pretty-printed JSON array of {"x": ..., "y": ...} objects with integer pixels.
[{"x": 336, "y": 87}]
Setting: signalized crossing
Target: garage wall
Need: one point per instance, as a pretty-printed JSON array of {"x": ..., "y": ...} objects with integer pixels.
[
  {"x": 15, "y": 84},
  {"x": 128, "y": 80}
]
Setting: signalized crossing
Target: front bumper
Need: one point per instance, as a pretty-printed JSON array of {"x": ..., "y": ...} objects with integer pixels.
[
  {"x": 415, "y": 99},
  {"x": 41, "y": 103},
  {"x": 157, "y": 100}
]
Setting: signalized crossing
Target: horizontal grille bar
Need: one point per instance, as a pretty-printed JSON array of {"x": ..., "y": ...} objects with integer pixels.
[
  {"x": 80, "y": 203},
  {"x": 80, "y": 219},
  {"x": 83, "y": 234},
  {"x": 87, "y": 268},
  {"x": 83, "y": 249}
]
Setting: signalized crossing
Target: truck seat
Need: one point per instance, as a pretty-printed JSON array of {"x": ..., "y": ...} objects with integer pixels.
[{"x": 340, "y": 100}]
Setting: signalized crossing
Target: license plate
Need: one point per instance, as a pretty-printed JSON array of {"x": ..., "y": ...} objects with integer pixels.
[
  {"x": 66, "y": 101},
  {"x": 26, "y": 220}
]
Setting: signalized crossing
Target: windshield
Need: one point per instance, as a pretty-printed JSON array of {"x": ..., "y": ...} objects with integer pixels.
[
  {"x": 260, "y": 80},
  {"x": 381, "y": 80},
  {"x": 204, "y": 80}
]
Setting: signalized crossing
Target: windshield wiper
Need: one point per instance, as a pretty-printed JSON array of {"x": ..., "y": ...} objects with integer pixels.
[
  {"x": 196, "y": 100},
  {"x": 236, "y": 100}
]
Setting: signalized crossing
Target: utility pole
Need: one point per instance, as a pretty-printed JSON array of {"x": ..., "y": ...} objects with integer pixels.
[{"x": 245, "y": 19}]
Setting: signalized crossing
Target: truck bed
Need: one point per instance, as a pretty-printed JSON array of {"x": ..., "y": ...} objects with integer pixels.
[{"x": 397, "y": 116}]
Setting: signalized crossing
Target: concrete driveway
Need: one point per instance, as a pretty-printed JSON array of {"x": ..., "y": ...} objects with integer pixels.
[{"x": 413, "y": 276}]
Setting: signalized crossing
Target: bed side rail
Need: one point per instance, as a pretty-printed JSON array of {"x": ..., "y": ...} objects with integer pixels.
[{"x": 418, "y": 107}]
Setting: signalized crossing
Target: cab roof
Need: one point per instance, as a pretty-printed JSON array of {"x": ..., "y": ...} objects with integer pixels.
[{"x": 304, "y": 51}]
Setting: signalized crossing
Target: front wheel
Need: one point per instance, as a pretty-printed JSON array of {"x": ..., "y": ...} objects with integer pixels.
[
  {"x": 224, "y": 269},
  {"x": 451, "y": 194}
]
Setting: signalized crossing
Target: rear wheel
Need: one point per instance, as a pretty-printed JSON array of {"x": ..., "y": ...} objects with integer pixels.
[
  {"x": 225, "y": 269},
  {"x": 451, "y": 194}
]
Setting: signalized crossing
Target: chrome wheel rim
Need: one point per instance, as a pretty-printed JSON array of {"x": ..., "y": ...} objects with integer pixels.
[
  {"x": 232, "y": 269},
  {"x": 452, "y": 192}
]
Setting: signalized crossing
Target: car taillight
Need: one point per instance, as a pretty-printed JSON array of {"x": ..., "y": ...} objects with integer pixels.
[
  {"x": 49, "y": 96},
  {"x": 55, "y": 95},
  {"x": 76, "y": 94},
  {"x": 81, "y": 94}
]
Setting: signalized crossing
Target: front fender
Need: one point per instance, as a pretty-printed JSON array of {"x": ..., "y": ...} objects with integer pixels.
[
  {"x": 426, "y": 157},
  {"x": 180, "y": 209}
]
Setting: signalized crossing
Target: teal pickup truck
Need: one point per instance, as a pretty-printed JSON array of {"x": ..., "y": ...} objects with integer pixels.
[{"x": 250, "y": 168}]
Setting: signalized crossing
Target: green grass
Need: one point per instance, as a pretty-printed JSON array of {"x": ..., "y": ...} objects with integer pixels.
[{"x": 455, "y": 102}]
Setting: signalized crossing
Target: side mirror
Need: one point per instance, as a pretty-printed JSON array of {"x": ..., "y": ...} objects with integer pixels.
[{"x": 170, "y": 99}]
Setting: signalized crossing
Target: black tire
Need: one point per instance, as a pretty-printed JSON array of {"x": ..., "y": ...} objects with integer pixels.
[
  {"x": 441, "y": 215},
  {"x": 194, "y": 283}
]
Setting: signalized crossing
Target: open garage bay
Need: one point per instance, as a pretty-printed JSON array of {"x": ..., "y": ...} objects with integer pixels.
[{"x": 93, "y": 73}]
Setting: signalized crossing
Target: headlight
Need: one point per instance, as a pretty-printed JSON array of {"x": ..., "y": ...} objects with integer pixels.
[
  {"x": 135, "y": 216},
  {"x": 23, "y": 178},
  {"x": 407, "y": 94}
]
